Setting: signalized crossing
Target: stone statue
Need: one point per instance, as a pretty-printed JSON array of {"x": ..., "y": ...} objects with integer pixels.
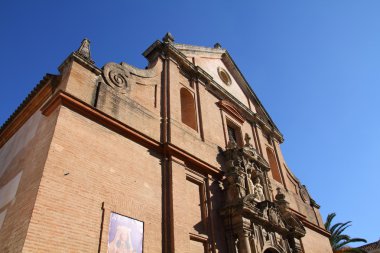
[
  {"x": 251, "y": 187},
  {"x": 247, "y": 141},
  {"x": 258, "y": 190}
]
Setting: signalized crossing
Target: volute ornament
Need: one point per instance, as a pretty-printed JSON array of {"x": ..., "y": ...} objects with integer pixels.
[
  {"x": 123, "y": 76},
  {"x": 116, "y": 76}
]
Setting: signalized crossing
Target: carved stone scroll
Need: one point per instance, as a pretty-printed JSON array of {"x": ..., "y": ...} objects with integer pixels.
[
  {"x": 123, "y": 76},
  {"x": 116, "y": 76}
]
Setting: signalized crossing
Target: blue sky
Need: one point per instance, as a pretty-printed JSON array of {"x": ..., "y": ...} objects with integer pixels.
[{"x": 315, "y": 65}]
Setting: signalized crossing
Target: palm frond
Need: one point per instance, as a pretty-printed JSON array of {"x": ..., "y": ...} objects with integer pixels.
[
  {"x": 329, "y": 219},
  {"x": 341, "y": 228},
  {"x": 335, "y": 240},
  {"x": 338, "y": 240},
  {"x": 335, "y": 226},
  {"x": 340, "y": 245}
]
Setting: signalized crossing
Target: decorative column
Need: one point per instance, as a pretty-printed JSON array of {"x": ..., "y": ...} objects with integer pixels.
[{"x": 244, "y": 245}]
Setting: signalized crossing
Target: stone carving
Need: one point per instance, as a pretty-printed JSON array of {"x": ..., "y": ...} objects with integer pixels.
[
  {"x": 84, "y": 51},
  {"x": 247, "y": 140},
  {"x": 123, "y": 76},
  {"x": 251, "y": 217},
  {"x": 293, "y": 223},
  {"x": 258, "y": 190},
  {"x": 251, "y": 186},
  {"x": 234, "y": 185},
  {"x": 275, "y": 217},
  {"x": 304, "y": 194},
  {"x": 116, "y": 76}
]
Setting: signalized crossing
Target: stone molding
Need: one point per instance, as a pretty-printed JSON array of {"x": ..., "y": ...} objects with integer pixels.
[
  {"x": 231, "y": 110},
  {"x": 62, "y": 98}
]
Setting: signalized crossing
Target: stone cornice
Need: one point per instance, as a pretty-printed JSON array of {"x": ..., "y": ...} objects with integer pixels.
[
  {"x": 90, "y": 112},
  {"x": 192, "y": 49},
  {"x": 41, "y": 98},
  {"x": 309, "y": 224}
]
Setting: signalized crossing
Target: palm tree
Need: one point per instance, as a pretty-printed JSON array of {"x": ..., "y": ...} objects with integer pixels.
[{"x": 338, "y": 240}]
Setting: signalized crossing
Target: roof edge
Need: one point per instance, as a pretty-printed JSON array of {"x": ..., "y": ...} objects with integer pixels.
[{"x": 29, "y": 105}]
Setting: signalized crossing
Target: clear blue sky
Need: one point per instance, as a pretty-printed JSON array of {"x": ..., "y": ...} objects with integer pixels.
[{"x": 315, "y": 65}]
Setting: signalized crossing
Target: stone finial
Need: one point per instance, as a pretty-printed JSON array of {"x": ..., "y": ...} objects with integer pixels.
[
  {"x": 280, "y": 199},
  {"x": 84, "y": 51},
  {"x": 168, "y": 38},
  {"x": 217, "y": 45}
]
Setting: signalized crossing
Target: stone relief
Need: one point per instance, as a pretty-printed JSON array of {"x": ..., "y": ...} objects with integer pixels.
[
  {"x": 253, "y": 220},
  {"x": 304, "y": 194}
]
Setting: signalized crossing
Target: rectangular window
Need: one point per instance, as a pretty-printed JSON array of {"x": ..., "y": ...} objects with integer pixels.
[
  {"x": 273, "y": 165},
  {"x": 234, "y": 133},
  {"x": 231, "y": 134}
]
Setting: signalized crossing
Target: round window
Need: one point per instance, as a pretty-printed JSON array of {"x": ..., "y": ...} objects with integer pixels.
[{"x": 224, "y": 76}]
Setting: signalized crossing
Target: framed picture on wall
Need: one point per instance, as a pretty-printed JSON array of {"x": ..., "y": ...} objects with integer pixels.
[{"x": 125, "y": 235}]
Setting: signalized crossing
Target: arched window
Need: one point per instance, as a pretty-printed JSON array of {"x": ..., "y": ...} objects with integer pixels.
[
  {"x": 273, "y": 166},
  {"x": 188, "y": 114}
]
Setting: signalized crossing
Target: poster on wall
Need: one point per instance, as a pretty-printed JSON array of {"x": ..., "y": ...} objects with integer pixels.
[{"x": 125, "y": 235}]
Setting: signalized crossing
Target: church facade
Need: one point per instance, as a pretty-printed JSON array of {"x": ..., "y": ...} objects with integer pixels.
[{"x": 178, "y": 157}]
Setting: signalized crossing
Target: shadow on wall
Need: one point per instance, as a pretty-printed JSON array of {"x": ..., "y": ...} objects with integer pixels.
[
  {"x": 8, "y": 195},
  {"x": 8, "y": 153}
]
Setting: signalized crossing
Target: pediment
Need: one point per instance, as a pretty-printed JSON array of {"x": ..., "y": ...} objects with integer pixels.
[
  {"x": 231, "y": 110},
  {"x": 208, "y": 61},
  {"x": 213, "y": 60}
]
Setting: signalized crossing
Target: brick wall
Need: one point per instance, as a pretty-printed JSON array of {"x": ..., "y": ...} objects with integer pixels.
[
  {"x": 89, "y": 165},
  {"x": 22, "y": 162}
]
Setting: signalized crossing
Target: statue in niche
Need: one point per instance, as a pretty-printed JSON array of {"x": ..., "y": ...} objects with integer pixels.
[
  {"x": 234, "y": 186},
  {"x": 251, "y": 186},
  {"x": 258, "y": 190},
  {"x": 241, "y": 186}
]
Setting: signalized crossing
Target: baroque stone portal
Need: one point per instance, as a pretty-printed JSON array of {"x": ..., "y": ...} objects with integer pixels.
[{"x": 254, "y": 221}]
